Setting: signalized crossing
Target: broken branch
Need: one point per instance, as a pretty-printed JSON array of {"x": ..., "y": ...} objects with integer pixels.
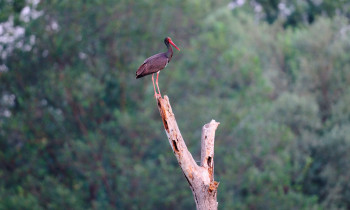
[{"x": 200, "y": 178}]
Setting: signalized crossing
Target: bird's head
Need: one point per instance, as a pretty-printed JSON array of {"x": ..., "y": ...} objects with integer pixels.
[{"x": 168, "y": 41}]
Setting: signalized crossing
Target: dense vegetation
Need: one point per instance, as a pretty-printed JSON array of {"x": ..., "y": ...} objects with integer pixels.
[{"x": 77, "y": 131}]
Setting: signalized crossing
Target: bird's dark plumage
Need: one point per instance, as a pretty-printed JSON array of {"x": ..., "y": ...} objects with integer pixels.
[
  {"x": 152, "y": 65},
  {"x": 156, "y": 63}
]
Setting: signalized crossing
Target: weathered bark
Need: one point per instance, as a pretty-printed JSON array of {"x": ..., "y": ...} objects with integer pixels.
[{"x": 200, "y": 178}]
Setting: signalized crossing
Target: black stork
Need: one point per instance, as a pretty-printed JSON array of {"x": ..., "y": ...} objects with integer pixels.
[{"x": 156, "y": 63}]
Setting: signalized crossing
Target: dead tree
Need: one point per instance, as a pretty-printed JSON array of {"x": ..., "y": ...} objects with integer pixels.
[{"x": 200, "y": 178}]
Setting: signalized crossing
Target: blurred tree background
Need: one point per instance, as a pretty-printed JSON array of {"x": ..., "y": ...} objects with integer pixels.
[{"x": 78, "y": 131}]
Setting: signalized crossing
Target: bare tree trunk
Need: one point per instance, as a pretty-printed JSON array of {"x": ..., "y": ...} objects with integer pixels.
[{"x": 200, "y": 178}]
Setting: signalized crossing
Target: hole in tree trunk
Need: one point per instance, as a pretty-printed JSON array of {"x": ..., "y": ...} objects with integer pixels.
[
  {"x": 175, "y": 146},
  {"x": 209, "y": 161},
  {"x": 166, "y": 125},
  {"x": 210, "y": 168},
  {"x": 163, "y": 114}
]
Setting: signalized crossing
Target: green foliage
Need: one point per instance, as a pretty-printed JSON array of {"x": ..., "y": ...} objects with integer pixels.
[
  {"x": 295, "y": 12},
  {"x": 77, "y": 131},
  {"x": 11, "y": 8}
]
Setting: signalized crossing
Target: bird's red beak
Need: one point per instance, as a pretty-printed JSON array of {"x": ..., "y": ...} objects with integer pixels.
[{"x": 172, "y": 43}]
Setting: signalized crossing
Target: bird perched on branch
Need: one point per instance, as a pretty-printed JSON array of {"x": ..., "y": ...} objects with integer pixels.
[{"x": 156, "y": 63}]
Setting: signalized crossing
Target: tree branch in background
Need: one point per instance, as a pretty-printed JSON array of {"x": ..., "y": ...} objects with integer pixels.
[{"x": 200, "y": 178}]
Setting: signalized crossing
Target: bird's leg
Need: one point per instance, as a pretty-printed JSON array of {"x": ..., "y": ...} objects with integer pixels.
[
  {"x": 154, "y": 87},
  {"x": 157, "y": 84}
]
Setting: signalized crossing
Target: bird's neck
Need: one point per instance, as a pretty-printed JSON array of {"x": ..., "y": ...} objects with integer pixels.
[{"x": 169, "y": 53}]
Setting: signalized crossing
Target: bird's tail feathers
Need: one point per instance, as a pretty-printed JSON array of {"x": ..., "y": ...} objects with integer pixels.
[{"x": 140, "y": 71}]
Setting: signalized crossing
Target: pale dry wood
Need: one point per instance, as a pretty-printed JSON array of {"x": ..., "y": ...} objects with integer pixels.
[{"x": 200, "y": 178}]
